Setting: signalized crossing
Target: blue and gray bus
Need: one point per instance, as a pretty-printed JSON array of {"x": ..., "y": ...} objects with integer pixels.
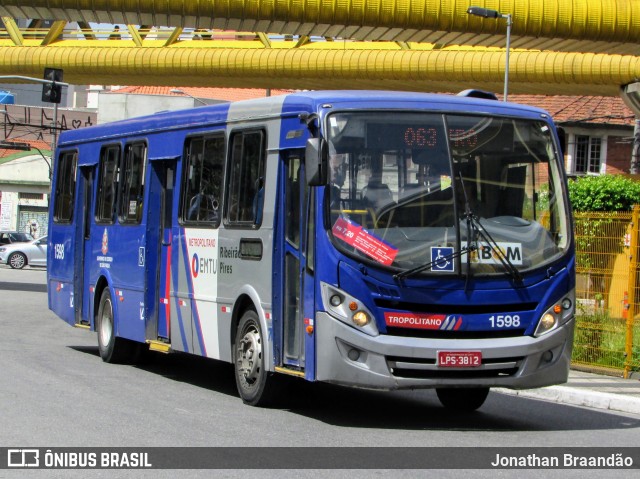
[{"x": 382, "y": 240}]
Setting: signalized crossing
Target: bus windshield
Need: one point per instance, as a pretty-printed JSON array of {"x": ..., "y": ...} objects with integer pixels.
[{"x": 429, "y": 193}]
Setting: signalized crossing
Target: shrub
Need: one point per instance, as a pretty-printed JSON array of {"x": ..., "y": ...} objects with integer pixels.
[{"x": 604, "y": 193}]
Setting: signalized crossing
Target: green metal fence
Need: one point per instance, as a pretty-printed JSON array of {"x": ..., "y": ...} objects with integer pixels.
[{"x": 607, "y": 337}]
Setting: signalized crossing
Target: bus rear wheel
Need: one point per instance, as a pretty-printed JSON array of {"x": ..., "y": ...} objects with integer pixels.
[
  {"x": 462, "y": 399},
  {"x": 112, "y": 349},
  {"x": 254, "y": 382}
]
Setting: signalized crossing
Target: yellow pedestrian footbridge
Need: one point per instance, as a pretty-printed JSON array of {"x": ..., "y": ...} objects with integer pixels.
[{"x": 586, "y": 47}]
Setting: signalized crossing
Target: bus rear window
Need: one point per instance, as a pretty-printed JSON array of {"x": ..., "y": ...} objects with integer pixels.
[{"x": 65, "y": 187}]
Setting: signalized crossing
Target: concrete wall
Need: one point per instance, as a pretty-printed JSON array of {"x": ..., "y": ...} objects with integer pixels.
[{"x": 119, "y": 106}]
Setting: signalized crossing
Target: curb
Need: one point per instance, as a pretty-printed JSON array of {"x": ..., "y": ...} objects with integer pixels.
[{"x": 579, "y": 397}]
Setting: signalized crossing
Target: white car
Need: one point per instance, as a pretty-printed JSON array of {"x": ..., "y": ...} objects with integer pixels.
[{"x": 18, "y": 255}]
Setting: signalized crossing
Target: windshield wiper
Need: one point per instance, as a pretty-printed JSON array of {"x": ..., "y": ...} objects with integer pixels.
[
  {"x": 473, "y": 222},
  {"x": 418, "y": 269}
]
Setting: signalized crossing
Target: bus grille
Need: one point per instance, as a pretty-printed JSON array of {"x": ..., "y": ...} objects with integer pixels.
[{"x": 418, "y": 368}]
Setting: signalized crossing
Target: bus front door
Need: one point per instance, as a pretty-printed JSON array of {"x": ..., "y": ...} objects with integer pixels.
[
  {"x": 157, "y": 261},
  {"x": 297, "y": 287}
]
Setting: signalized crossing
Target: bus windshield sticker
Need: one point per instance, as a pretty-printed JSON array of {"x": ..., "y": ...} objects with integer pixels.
[
  {"x": 485, "y": 254},
  {"x": 355, "y": 235},
  {"x": 442, "y": 258}
]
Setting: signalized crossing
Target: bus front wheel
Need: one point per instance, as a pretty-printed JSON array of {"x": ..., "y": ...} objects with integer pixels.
[
  {"x": 462, "y": 399},
  {"x": 112, "y": 349},
  {"x": 254, "y": 382}
]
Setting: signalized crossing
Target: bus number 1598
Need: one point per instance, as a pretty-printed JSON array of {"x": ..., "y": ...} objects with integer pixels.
[{"x": 505, "y": 321}]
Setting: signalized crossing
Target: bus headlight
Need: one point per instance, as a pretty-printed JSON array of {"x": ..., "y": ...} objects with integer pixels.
[
  {"x": 556, "y": 315},
  {"x": 348, "y": 309},
  {"x": 361, "y": 318},
  {"x": 547, "y": 323}
]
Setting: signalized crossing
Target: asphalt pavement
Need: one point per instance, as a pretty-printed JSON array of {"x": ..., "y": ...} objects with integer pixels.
[{"x": 582, "y": 389}]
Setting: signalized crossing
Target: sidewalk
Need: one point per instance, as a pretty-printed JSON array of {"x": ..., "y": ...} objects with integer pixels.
[{"x": 590, "y": 390}]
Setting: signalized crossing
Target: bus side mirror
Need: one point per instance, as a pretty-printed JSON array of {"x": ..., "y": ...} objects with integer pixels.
[{"x": 315, "y": 162}]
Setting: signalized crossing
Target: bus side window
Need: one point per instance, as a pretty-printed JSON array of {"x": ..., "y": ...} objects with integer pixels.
[
  {"x": 132, "y": 184},
  {"x": 245, "y": 196},
  {"x": 106, "y": 200},
  {"x": 202, "y": 180},
  {"x": 65, "y": 187}
]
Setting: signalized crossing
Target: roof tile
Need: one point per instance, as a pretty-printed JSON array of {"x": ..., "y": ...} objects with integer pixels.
[{"x": 597, "y": 110}]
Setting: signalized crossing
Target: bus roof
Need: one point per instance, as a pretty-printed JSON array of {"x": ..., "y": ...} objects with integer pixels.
[{"x": 291, "y": 104}]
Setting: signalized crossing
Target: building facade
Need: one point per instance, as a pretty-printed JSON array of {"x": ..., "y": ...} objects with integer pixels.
[{"x": 597, "y": 132}]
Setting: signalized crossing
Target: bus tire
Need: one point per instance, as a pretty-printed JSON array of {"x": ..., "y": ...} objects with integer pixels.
[
  {"x": 112, "y": 349},
  {"x": 462, "y": 399},
  {"x": 254, "y": 382}
]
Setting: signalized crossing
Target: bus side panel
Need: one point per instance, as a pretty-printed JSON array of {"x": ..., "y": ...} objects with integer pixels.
[
  {"x": 164, "y": 298},
  {"x": 181, "y": 331},
  {"x": 200, "y": 261},
  {"x": 129, "y": 312},
  {"x": 122, "y": 249},
  {"x": 60, "y": 270}
]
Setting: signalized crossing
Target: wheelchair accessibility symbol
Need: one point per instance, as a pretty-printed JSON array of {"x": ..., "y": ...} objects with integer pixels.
[{"x": 441, "y": 259}]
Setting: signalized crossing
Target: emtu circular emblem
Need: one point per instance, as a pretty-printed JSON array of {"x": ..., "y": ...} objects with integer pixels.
[{"x": 195, "y": 265}]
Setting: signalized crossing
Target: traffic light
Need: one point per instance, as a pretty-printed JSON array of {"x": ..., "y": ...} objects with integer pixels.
[{"x": 52, "y": 92}]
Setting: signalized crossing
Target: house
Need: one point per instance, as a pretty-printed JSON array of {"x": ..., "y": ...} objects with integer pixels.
[{"x": 597, "y": 132}]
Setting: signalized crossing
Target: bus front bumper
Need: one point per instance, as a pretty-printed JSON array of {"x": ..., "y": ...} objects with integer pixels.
[{"x": 349, "y": 357}]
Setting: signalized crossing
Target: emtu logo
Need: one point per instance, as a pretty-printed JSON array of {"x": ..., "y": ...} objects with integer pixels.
[{"x": 195, "y": 265}]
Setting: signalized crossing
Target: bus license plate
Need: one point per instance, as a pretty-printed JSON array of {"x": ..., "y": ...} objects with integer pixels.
[{"x": 459, "y": 359}]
